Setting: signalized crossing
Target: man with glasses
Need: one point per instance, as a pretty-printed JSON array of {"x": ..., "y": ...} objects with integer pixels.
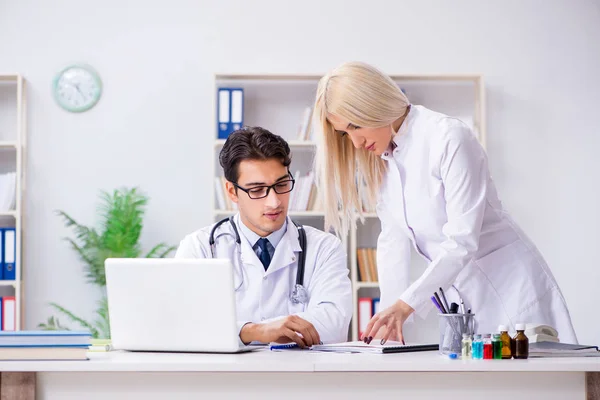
[{"x": 256, "y": 167}]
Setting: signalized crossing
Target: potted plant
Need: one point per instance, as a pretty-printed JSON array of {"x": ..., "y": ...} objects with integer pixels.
[{"x": 121, "y": 214}]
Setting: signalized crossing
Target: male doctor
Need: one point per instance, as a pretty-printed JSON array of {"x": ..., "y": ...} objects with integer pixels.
[{"x": 256, "y": 166}]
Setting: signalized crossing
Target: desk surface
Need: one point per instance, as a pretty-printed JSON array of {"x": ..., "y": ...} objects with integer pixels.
[{"x": 295, "y": 361}]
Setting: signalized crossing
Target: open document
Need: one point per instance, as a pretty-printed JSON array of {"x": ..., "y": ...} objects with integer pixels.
[{"x": 362, "y": 347}]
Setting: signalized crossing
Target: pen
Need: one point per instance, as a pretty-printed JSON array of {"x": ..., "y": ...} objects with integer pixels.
[
  {"x": 436, "y": 304},
  {"x": 471, "y": 324},
  {"x": 283, "y": 346},
  {"x": 444, "y": 311},
  {"x": 444, "y": 298}
]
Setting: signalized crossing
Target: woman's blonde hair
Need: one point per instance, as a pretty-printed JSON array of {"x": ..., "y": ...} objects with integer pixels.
[{"x": 365, "y": 97}]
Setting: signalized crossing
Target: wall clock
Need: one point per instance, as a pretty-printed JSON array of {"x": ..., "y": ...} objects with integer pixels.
[{"x": 77, "y": 88}]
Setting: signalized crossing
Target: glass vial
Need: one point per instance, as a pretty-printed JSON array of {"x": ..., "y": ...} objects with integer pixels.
[
  {"x": 521, "y": 342},
  {"x": 477, "y": 347},
  {"x": 506, "y": 342},
  {"x": 488, "y": 352},
  {"x": 466, "y": 347},
  {"x": 496, "y": 346}
]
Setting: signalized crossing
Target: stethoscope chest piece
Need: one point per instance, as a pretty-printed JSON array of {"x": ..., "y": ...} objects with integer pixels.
[{"x": 299, "y": 295}]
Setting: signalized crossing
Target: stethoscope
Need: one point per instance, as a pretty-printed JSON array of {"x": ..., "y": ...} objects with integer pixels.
[{"x": 299, "y": 294}]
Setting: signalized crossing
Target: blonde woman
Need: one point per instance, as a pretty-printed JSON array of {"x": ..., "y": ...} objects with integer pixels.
[{"x": 427, "y": 176}]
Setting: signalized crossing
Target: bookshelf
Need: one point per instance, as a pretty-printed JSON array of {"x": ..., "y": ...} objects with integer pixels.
[
  {"x": 276, "y": 102},
  {"x": 12, "y": 156}
]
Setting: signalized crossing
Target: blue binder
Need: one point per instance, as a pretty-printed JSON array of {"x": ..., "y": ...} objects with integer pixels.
[
  {"x": 1, "y": 256},
  {"x": 9, "y": 253},
  {"x": 375, "y": 305},
  {"x": 230, "y": 111}
]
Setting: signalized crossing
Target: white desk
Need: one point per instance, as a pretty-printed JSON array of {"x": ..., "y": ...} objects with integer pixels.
[{"x": 299, "y": 375}]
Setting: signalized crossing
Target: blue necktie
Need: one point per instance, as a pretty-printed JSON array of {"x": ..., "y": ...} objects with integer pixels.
[{"x": 265, "y": 257}]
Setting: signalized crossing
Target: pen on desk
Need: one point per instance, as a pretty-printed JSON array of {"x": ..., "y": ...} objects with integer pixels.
[
  {"x": 444, "y": 311},
  {"x": 443, "y": 296}
]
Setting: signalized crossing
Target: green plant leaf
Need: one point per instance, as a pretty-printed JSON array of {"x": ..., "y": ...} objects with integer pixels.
[
  {"x": 102, "y": 322},
  {"x": 77, "y": 319},
  {"x": 53, "y": 324},
  {"x": 160, "y": 251},
  {"x": 121, "y": 213}
]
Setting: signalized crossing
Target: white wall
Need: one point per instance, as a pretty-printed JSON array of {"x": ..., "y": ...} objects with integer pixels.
[{"x": 154, "y": 124}]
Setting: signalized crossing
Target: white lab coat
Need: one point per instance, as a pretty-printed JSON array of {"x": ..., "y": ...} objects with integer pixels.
[
  {"x": 438, "y": 195},
  {"x": 262, "y": 296}
]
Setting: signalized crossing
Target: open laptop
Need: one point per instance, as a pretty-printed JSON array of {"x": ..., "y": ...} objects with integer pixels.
[{"x": 174, "y": 305}]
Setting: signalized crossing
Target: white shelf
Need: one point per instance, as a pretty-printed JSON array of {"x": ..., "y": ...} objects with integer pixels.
[
  {"x": 370, "y": 215},
  {"x": 12, "y": 151},
  {"x": 9, "y": 144},
  {"x": 9, "y": 78},
  {"x": 360, "y": 285},
  {"x": 290, "y": 213},
  {"x": 292, "y": 143}
]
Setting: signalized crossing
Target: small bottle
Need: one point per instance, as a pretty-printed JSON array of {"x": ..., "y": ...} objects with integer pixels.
[
  {"x": 477, "y": 347},
  {"x": 488, "y": 352},
  {"x": 506, "y": 342},
  {"x": 466, "y": 346},
  {"x": 496, "y": 346},
  {"x": 521, "y": 342}
]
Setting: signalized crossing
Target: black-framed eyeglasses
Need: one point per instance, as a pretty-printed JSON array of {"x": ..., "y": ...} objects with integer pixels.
[{"x": 260, "y": 192}]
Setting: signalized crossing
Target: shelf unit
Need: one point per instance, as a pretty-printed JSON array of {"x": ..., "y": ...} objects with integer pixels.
[
  {"x": 276, "y": 102},
  {"x": 12, "y": 159}
]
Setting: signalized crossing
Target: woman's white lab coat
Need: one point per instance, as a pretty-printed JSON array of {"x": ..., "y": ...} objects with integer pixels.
[
  {"x": 262, "y": 296},
  {"x": 438, "y": 195}
]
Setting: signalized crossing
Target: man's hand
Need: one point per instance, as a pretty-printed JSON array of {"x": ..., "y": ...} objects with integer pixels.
[{"x": 289, "y": 329}]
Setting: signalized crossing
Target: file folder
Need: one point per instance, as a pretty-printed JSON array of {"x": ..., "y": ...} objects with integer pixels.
[
  {"x": 224, "y": 112},
  {"x": 365, "y": 312},
  {"x": 230, "y": 111},
  {"x": 9, "y": 317},
  {"x": 1, "y": 254},
  {"x": 375, "y": 305},
  {"x": 237, "y": 109},
  {"x": 9, "y": 254}
]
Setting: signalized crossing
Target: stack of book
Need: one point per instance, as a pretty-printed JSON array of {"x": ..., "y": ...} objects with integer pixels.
[
  {"x": 367, "y": 265},
  {"x": 44, "y": 345}
]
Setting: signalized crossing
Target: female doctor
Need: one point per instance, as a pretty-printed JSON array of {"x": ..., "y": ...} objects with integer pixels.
[{"x": 428, "y": 177}]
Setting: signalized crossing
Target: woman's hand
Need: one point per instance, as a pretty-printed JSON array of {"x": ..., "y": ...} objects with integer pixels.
[{"x": 391, "y": 319}]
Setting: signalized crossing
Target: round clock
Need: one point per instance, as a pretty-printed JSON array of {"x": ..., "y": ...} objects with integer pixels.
[{"x": 77, "y": 88}]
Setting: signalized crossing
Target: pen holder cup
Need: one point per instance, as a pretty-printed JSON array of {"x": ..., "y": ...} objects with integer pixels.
[{"x": 452, "y": 327}]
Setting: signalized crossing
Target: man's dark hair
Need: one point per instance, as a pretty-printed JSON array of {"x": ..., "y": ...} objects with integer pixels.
[{"x": 252, "y": 143}]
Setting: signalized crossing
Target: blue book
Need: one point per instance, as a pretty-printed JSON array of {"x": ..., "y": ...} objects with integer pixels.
[{"x": 38, "y": 338}]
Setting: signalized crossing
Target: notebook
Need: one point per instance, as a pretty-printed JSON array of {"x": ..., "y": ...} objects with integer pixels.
[
  {"x": 362, "y": 347},
  {"x": 550, "y": 349}
]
